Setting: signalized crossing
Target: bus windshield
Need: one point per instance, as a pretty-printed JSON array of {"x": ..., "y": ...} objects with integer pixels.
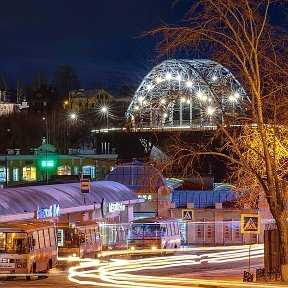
[
  {"x": 146, "y": 231},
  {"x": 14, "y": 242},
  {"x": 69, "y": 237}
]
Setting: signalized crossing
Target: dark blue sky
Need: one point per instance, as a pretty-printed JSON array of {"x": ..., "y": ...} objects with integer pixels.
[{"x": 98, "y": 38}]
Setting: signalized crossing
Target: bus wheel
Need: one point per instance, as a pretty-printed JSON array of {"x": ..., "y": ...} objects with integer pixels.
[
  {"x": 45, "y": 272},
  {"x": 32, "y": 276},
  {"x": 10, "y": 277}
]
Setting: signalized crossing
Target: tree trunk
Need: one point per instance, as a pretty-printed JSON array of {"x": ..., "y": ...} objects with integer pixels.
[{"x": 283, "y": 234}]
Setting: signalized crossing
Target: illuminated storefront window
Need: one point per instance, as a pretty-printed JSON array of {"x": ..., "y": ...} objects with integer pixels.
[
  {"x": 29, "y": 173},
  {"x": 64, "y": 170},
  {"x": 3, "y": 174},
  {"x": 76, "y": 170},
  {"x": 88, "y": 170},
  {"x": 15, "y": 174}
]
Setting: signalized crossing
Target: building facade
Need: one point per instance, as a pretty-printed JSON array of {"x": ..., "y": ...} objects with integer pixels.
[{"x": 45, "y": 165}]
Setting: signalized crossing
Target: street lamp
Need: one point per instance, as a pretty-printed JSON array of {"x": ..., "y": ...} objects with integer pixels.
[
  {"x": 73, "y": 116},
  {"x": 104, "y": 110},
  {"x": 46, "y": 127}
]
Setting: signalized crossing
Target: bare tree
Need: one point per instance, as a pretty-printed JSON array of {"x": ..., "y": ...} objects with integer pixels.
[{"x": 238, "y": 35}]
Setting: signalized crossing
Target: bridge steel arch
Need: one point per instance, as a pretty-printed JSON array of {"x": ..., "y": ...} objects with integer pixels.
[{"x": 186, "y": 93}]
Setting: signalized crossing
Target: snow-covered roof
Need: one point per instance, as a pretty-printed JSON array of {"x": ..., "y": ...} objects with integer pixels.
[{"x": 20, "y": 200}]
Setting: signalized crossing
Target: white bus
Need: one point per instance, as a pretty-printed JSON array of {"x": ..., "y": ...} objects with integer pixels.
[
  {"x": 27, "y": 248},
  {"x": 154, "y": 233},
  {"x": 78, "y": 239}
]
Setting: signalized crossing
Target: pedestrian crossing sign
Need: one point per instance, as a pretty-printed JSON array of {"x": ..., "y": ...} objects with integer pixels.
[
  {"x": 250, "y": 223},
  {"x": 187, "y": 215}
]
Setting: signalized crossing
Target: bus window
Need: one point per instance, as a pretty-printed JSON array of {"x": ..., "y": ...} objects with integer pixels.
[
  {"x": 172, "y": 229},
  {"x": 35, "y": 236},
  {"x": 2, "y": 242},
  {"x": 169, "y": 230},
  {"x": 46, "y": 238},
  {"x": 52, "y": 236},
  {"x": 92, "y": 231},
  {"x": 162, "y": 231},
  {"x": 152, "y": 231},
  {"x": 17, "y": 242},
  {"x": 41, "y": 239},
  {"x": 90, "y": 236},
  {"x": 137, "y": 231},
  {"x": 82, "y": 236}
]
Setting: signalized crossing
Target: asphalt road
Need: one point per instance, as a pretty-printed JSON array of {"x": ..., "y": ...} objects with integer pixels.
[{"x": 158, "y": 269}]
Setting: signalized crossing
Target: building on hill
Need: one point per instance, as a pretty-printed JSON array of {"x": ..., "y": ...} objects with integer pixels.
[
  {"x": 45, "y": 165},
  {"x": 83, "y": 99}
]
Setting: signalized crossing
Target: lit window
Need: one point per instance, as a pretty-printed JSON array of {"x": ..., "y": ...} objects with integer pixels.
[
  {"x": 64, "y": 170},
  {"x": 76, "y": 170},
  {"x": 89, "y": 171},
  {"x": 29, "y": 173},
  {"x": 15, "y": 174},
  {"x": 3, "y": 174}
]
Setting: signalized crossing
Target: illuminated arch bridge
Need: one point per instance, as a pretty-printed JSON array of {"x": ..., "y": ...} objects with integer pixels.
[{"x": 186, "y": 93}]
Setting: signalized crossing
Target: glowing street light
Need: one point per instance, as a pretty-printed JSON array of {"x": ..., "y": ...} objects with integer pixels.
[
  {"x": 104, "y": 110},
  {"x": 73, "y": 116}
]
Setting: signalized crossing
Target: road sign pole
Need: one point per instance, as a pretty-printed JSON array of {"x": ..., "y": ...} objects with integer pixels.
[
  {"x": 249, "y": 253},
  {"x": 85, "y": 187}
]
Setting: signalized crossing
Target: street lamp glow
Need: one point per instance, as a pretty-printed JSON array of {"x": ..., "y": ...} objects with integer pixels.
[
  {"x": 141, "y": 98},
  {"x": 163, "y": 101},
  {"x": 73, "y": 116},
  {"x": 104, "y": 109},
  {"x": 214, "y": 78},
  {"x": 158, "y": 80},
  {"x": 149, "y": 87},
  {"x": 204, "y": 98},
  {"x": 199, "y": 94},
  {"x": 178, "y": 77},
  {"x": 183, "y": 99},
  {"x": 210, "y": 111},
  {"x": 189, "y": 84},
  {"x": 168, "y": 76},
  {"x": 232, "y": 98}
]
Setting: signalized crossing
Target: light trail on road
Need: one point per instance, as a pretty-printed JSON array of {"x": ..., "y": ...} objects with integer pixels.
[{"x": 122, "y": 273}]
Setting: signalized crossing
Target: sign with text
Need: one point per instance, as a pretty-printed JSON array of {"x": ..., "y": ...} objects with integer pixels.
[
  {"x": 52, "y": 211},
  {"x": 85, "y": 185},
  {"x": 250, "y": 223},
  {"x": 116, "y": 207}
]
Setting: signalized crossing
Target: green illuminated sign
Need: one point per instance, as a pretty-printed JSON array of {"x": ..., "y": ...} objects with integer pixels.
[{"x": 47, "y": 163}]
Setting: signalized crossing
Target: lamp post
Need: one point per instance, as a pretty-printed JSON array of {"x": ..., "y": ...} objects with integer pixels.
[
  {"x": 46, "y": 166},
  {"x": 104, "y": 110},
  {"x": 46, "y": 127}
]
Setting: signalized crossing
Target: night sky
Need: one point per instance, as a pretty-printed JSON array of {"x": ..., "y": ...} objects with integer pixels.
[{"x": 98, "y": 38}]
